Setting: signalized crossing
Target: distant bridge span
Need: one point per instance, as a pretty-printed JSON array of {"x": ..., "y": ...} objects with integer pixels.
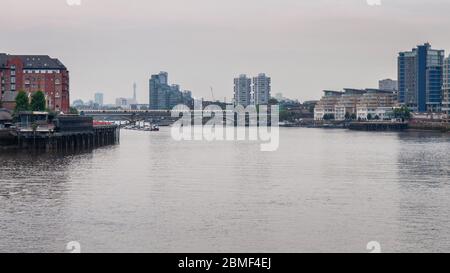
[
  {"x": 155, "y": 116},
  {"x": 137, "y": 113},
  {"x": 130, "y": 115},
  {"x": 125, "y": 112}
]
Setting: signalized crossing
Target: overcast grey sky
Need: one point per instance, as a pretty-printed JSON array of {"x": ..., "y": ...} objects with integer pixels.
[{"x": 304, "y": 45}]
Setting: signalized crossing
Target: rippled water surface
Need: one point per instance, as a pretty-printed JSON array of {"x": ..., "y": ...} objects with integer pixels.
[{"x": 323, "y": 190}]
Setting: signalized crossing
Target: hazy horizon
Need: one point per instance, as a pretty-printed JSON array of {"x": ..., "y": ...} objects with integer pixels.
[{"x": 305, "y": 46}]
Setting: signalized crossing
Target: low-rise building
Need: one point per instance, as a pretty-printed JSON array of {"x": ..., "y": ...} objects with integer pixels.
[
  {"x": 346, "y": 105},
  {"x": 327, "y": 104},
  {"x": 33, "y": 73},
  {"x": 376, "y": 104},
  {"x": 123, "y": 103},
  {"x": 388, "y": 85},
  {"x": 355, "y": 103}
]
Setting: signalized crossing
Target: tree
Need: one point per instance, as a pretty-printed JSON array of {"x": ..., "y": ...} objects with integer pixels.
[
  {"x": 369, "y": 116},
  {"x": 73, "y": 111},
  {"x": 38, "y": 101},
  {"x": 328, "y": 117},
  {"x": 353, "y": 116},
  {"x": 402, "y": 113},
  {"x": 347, "y": 115},
  {"x": 22, "y": 103},
  {"x": 273, "y": 101}
]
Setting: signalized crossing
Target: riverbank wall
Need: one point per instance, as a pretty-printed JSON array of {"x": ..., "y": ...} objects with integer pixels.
[{"x": 430, "y": 126}]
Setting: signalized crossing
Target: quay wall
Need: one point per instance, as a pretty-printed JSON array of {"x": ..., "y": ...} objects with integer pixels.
[
  {"x": 430, "y": 125},
  {"x": 69, "y": 141},
  {"x": 378, "y": 126}
]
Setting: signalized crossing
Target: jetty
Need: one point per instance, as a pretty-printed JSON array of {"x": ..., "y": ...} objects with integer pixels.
[{"x": 36, "y": 131}]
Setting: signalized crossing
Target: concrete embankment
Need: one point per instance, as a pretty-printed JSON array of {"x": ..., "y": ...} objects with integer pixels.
[
  {"x": 430, "y": 126},
  {"x": 378, "y": 126}
]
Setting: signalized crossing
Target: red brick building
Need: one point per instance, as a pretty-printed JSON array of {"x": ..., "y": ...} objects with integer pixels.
[{"x": 32, "y": 73}]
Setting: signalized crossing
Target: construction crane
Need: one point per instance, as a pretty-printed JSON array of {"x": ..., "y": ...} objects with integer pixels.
[{"x": 212, "y": 94}]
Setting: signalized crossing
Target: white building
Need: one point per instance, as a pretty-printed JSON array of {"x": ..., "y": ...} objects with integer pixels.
[
  {"x": 376, "y": 104},
  {"x": 123, "y": 103},
  {"x": 261, "y": 89},
  {"x": 327, "y": 105},
  {"x": 380, "y": 113},
  {"x": 346, "y": 105},
  {"x": 362, "y": 104},
  {"x": 242, "y": 90},
  {"x": 388, "y": 85}
]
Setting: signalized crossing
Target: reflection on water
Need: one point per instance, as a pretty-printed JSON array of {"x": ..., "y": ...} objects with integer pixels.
[
  {"x": 323, "y": 190},
  {"x": 424, "y": 168}
]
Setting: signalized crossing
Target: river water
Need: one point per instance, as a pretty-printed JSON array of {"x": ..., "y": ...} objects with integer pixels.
[{"x": 322, "y": 191}]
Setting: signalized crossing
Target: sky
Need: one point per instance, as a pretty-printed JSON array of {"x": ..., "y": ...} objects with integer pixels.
[{"x": 305, "y": 46}]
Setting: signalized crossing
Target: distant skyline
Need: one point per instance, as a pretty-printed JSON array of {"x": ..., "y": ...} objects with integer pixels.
[{"x": 304, "y": 45}]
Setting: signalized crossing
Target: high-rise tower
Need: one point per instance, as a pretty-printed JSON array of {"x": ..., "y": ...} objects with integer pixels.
[{"x": 420, "y": 74}]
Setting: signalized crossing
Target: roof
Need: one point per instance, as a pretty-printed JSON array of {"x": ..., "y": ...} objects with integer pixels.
[
  {"x": 5, "y": 115},
  {"x": 33, "y": 61},
  {"x": 332, "y": 92},
  {"x": 373, "y": 90},
  {"x": 354, "y": 91}
]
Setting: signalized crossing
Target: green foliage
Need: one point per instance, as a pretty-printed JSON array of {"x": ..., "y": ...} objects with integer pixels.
[
  {"x": 402, "y": 113},
  {"x": 273, "y": 101},
  {"x": 73, "y": 111},
  {"x": 22, "y": 103},
  {"x": 51, "y": 115},
  {"x": 328, "y": 117},
  {"x": 286, "y": 115},
  {"x": 347, "y": 116},
  {"x": 38, "y": 101}
]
